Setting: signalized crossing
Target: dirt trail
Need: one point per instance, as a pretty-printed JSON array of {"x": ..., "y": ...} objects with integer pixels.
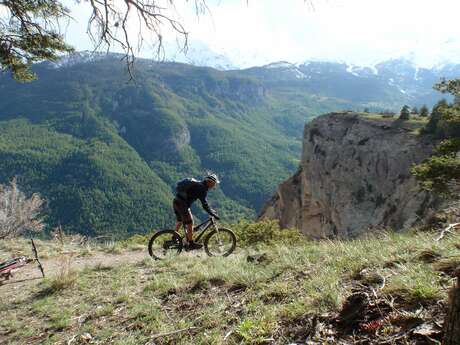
[{"x": 30, "y": 275}]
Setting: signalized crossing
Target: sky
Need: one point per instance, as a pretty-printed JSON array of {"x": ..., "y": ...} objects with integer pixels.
[{"x": 257, "y": 32}]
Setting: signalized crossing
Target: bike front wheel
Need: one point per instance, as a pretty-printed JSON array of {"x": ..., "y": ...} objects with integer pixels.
[
  {"x": 165, "y": 244},
  {"x": 221, "y": 242}
]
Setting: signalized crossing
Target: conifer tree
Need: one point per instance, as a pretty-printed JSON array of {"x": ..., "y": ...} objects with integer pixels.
[
  {"x": 405, "y": 113},
  {"x": 441, "y": 172},
  {"x": 436, "y": 112},
  {"x": 424, "y": 111}
]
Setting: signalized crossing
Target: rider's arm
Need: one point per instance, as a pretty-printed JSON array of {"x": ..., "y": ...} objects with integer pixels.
[
  {"x": 208, "y": 209},
  {"x": 204, "y": 203}
]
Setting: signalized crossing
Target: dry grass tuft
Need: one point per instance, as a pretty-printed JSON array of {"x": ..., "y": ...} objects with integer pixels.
[{"x": 66, "y": 276}]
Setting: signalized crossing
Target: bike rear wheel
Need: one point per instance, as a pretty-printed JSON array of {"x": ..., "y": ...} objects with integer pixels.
[
  {"x": 165, "y": 244},
  {"x": 221, "y": 242}
]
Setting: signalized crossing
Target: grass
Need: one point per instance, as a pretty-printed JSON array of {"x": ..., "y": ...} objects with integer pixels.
[
  {"x": 226, "y": 300},
  {"x": 66, "y": 275}
]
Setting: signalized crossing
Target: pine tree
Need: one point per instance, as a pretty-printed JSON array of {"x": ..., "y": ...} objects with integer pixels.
[
  {"x": 405, "y": 113},
  {"x": 424, "y": 111},
  {"x": 29, "y": 36},
  {"x": 414, "y": 110},
  {"x": 441, "y": 172},
  {"x": 436, "y": 113}
]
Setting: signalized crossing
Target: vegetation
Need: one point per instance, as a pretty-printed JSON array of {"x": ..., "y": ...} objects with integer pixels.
[
  {"x": 424, "y": 111},
  {"x": 441, "y": 173},
  {"x": 106, "y": 154},
  {"x": 29, "y": 33},
  {"x": 292, "y": 293},
  {"x": 19, "y": 213},
  {"x": 405, "y": 113}
]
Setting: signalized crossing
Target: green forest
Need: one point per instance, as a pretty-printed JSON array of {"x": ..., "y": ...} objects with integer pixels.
[{"x": 106, "y": 153}]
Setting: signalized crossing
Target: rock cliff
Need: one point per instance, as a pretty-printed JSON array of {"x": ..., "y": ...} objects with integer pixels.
[{"x": 354, "y": 176}]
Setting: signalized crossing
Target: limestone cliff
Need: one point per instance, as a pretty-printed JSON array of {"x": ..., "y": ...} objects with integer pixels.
[{"x": 354, "y": 176}]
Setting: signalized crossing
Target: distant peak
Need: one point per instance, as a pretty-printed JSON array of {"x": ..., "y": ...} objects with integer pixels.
[{"x": 280, "y": 64}]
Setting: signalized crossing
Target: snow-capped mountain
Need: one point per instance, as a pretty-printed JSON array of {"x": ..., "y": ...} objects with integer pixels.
[
  {"x": 396, "y": 81},
  {"x": 79, "y": 57},
  {"x": 389, "y": 83},
  {"x": 199, "y": 54}
]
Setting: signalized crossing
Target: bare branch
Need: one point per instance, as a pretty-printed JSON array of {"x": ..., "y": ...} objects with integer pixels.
[
  {"x": 111, "y": 20},
  {"x": 18, "y": 213}
]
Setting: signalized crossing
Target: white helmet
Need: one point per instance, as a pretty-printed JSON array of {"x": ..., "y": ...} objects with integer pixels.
[{"x": 212, "y": 177}]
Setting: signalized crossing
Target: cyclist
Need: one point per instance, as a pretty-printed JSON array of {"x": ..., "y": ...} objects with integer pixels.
[{"x": 188, "y": 191}]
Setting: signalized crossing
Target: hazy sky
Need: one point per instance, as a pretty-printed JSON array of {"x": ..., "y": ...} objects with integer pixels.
[{"x": 355, "y": 31}]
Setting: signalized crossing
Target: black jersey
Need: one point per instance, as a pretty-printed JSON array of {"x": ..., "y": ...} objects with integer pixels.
[{"x": 198, "y": 190}]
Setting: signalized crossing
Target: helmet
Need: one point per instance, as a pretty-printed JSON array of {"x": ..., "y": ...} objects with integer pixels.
[{"x": 212, "y": 177}]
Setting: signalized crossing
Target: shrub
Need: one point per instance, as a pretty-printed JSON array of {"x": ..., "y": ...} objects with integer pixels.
[
  {"x": 17, "y": 212},
  {"x": 66, "y": 276},
  {"x": 265, "y": 231}
]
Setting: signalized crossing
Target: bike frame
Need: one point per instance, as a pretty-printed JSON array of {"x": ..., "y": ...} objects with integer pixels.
[
  {"x": 207, "y": 224},
  {"x": 16, "y": 263}
]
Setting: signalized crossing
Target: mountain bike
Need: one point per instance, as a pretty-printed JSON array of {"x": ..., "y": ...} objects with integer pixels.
[
  {"x": 217, "y": 242},
  {"x": 8, "y": 266}
]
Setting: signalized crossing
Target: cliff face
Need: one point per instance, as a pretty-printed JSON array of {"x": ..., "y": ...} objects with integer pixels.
[{"x": 354, "y": 176}]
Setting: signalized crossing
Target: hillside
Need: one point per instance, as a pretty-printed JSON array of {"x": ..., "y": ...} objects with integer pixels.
[
  {"x": 106, "y": 153},
  {"x": 296, "y": 292}
]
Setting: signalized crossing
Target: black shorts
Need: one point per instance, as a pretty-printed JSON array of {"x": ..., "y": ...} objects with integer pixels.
[{"x": 182, "y": 211}]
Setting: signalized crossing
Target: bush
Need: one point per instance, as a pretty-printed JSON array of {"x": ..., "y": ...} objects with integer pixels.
[
  {"x": 17, "y": 212},
  {"x": 265, "y": 231}
]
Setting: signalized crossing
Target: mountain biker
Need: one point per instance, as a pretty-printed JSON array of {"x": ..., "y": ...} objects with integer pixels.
[{"x": 185, "y": 198}]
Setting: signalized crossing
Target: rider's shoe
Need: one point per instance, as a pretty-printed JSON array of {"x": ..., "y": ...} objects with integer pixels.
[{"x": 193, "y": 246}]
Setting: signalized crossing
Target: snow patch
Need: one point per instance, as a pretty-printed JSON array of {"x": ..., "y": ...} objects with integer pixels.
[
  {"x": 350, "y": 69},
  {"x": 76, "y": 58},
  {"x": 417, "y": 69},
  {"x": 280, "y": 64}
]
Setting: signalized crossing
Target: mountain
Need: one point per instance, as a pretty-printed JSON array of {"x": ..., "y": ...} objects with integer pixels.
[
  {"x": 201, "y": 55},
  {"x": 106, "y": 152},
  {"x": 401, "y": 76},
  {"x": 387, "y": 85},
  {"x": 354, "y": 176}
]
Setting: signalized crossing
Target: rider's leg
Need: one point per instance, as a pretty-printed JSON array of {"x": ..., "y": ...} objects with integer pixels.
[
  {"x": 190, "y": 232},
  {"x": 178, "y": 226}
]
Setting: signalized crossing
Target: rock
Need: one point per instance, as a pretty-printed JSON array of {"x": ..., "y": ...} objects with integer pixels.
[
  {"x": 86, "y": 337},
  {"x": 257, "y": 258},
  {"x": 354, "y": 177}
]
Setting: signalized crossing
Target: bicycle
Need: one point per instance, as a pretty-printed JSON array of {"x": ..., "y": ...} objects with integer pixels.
[
  {"x": 218, "y": 242},
  {"x": 8, "y": 266}
]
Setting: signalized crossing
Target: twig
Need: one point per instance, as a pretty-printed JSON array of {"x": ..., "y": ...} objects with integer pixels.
[
  {"x": 229, "y": 333},
  {"x": 398, "y": 336},
  {"x": 160, "y": 335},
  {"x": 446, "y": 230},
  {"x": 383, "y": 282},
  {"x": 71, "y": 340}
]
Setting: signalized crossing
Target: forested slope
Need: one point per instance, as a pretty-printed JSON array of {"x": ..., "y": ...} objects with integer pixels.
[{"x": 106, "y": 151}]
